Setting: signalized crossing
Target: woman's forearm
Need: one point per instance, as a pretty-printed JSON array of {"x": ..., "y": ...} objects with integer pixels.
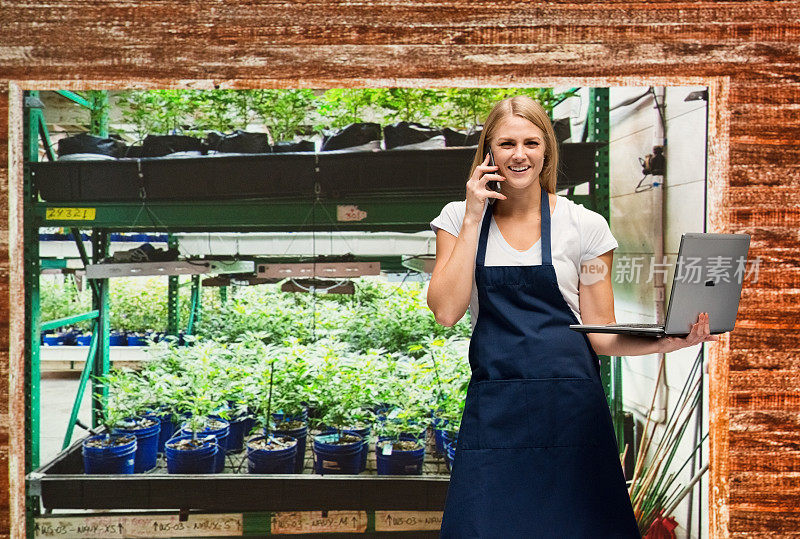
[
  {"x": 451, "y": 284},
  {"x": 606, "y": 344}
]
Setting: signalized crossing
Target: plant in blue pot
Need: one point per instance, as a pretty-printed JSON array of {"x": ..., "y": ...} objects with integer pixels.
[{"x": 273, "y": 451}]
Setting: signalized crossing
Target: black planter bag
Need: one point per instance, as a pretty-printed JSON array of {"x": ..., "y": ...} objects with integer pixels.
[
  {"x": 86, "y": 143},
  {"x": 462, "y": 138},
  {"x": 405, "y": 133},
  {"x": 353, "y": 135},
  {"x": 160, "y": 145},
  {"x": 239, "y": 142},
  {"x": 299, "y": 146}
]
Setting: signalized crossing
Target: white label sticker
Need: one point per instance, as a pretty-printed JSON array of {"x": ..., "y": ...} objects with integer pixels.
[
  {"x": 319, "y": 522},
  {"x": 222, "y": 525},
  {"x": 395, "y": 521},
  {"x": 350, "y": 213}
]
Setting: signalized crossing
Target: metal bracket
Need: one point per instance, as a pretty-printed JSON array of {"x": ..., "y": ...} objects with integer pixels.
[
  {"x": 31, "y": 102},
  {"x": 34, "y": 480}
]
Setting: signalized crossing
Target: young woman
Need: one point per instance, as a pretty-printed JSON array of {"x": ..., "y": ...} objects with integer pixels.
[{"x": 536, "y": 451}]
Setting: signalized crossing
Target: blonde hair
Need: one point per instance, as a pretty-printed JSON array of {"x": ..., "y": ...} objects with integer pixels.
[{"x": 524, "y": 107}]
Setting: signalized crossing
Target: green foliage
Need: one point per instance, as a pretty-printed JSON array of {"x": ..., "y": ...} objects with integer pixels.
[
  {"x": 61, "y": 299},
  {"x": 340, "y": 107},
  {"x": 220, "y": 110},
  {"x": 408, "y": 104},
  {"x": 283, "y": 111},
  {"x": 136, "y": 303},
  {"x": 158, "y": 112},
  {"x": 289, "y": 112}
]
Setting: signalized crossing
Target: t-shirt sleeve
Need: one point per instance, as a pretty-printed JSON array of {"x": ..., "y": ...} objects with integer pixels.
[
  {"x": 596, "y": 237},
  {"x": 450, "y": 218}
]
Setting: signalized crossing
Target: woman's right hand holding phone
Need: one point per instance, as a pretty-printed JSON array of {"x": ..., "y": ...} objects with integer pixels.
[{"x": 477, "y": 190}]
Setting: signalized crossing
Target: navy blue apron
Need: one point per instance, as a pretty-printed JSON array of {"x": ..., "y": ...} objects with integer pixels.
[{"x": 536, "y": 454}]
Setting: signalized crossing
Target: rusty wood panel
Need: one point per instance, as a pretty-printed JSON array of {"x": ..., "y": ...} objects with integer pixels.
[
  {"x": 768, "y": 441},
  {"x": 772, "y": 196},
  {"x": 780, "y": 174},
  {"x": 12, "y": 475},
  {"x": 376, "y": 23},
  {"x": 758, "y": 116},
  {"x": 7, "y": 493},
  {"x": 766, "y": 89},
  {"x": 764, "y": 400},
  {"x": 765, "y": 381},
  {"x": 775, "y": 524},
  {"x": 763, "y": 460},
  {"x": 751, "y": 336},
  {"x": 758, "y": 421},
  {"x": 766, "y": 493},
  {"x": 386, "y": 63},
  {"x": 764, "y": 359}
]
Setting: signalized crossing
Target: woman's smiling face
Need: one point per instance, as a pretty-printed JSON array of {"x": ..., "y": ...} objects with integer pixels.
[{"x": 518, "y": 148}]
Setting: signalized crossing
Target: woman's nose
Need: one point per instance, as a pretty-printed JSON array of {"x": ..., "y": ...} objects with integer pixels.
[{"x": 519, "y": 153}]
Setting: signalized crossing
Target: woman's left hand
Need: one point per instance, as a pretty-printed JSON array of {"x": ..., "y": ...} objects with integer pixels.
[{"x": 700, "y": 333}]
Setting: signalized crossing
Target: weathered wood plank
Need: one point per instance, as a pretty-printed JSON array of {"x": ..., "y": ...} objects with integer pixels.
[
  {"x": 455, "y": 43},
  {"x": 377, "y": 23}
]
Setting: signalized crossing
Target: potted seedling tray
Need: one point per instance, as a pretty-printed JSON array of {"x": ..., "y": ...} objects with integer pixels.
[{"x": 61, "y": 484}]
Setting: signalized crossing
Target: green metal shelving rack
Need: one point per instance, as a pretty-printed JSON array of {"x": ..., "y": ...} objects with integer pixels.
[{"x": 392, "y": 213}]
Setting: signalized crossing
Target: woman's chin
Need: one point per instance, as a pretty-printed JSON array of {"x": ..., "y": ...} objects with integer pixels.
[{"x": 519, "y": 184}]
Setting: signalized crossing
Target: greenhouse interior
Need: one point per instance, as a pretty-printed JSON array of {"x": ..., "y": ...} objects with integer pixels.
[{"x": 227, "y": 324}]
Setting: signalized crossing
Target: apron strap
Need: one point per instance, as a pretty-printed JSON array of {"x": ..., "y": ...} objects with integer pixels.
[
  {"x": 487, "y": 219},
  {"x": 547, "y": 259}
]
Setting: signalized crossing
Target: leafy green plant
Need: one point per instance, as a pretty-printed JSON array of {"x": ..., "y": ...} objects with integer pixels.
[
  {"x": 339, "y": 107},
  {"x": 284, "y": 112}
]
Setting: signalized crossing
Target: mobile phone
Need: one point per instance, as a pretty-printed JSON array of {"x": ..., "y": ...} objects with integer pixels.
[{"x": 493, "y": 185}]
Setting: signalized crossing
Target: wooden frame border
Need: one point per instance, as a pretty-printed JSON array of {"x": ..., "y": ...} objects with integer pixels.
[{"x": 718, "y": 137}]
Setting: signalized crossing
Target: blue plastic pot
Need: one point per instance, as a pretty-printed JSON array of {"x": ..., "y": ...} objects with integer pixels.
[
  {"x": 449, "y": 439},
  {"x": 146, "y": 443},
  {"x": 169, "y": 429},
  {"x": 332, "y": 458},
  {"x": 134, "y": 339},
  {"x": 111, "y": 459},
  {"x": 271, "y": 461},
  {"x": 220, "y": 433},
  {"x": 190, "y": 461},
  {"x": 399, "y": 462},
  {"x": 280, "y": 417},
  {"x": 438, "y": 426},
  {"x": 117, "y": 338},
  {"x": 53, "y": 339},
  {"x": 364, "y": 433},
  {"x": 301, "y": 435},
  {"x": 83, "y": 340},
  {"x": 449, "y": 454},
  {"x": 236, "y": 433}
]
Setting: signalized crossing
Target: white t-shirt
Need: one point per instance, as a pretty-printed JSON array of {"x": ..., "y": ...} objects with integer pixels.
[{"x": 577, "y": 235}]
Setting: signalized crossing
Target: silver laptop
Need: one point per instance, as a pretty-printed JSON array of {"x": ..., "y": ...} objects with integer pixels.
[{"x": 708, "y": 279}]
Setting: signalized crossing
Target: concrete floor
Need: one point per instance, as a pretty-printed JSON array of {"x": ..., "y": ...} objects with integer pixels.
[{"x": 58, "y": 391}]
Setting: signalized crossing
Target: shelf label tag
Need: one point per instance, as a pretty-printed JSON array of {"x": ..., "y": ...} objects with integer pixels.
[
  {"x": 396, "y": 521},
  {"x": 95, "y": 527},
  {"x": 319, "y": 522},
  {"x": 350, "y": 213},
  {"x": 70, "y": 214}
]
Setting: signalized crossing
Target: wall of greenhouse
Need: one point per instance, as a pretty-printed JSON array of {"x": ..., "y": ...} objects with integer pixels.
[{"x": 634, "y": 222}]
